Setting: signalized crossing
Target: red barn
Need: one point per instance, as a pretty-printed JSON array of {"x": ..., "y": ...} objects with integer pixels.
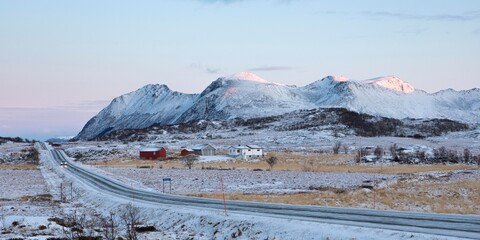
[
  {"x": 186, "y": 152},
  {"x": 153, "y": 153}
]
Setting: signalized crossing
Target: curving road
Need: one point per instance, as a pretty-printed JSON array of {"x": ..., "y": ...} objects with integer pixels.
[{"x": 464, "y": 226}]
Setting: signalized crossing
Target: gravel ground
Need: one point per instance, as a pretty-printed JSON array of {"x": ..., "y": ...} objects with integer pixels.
[{"x": 207, "y": 181}]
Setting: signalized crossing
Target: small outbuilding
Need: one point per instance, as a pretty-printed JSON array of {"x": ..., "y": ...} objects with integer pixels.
[
  {"x": 153, "y": 153},
  {"x": 186, "y": 151},
  {"x": 204, "y": 150}
]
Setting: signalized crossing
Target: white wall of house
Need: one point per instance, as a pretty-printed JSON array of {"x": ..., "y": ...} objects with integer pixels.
[{"x": 245, "y": 152}]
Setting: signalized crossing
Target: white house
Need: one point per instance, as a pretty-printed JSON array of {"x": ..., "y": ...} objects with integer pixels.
[{"x": 246, "y": 152}]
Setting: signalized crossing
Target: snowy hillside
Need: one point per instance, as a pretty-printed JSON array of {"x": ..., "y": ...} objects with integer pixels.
[
  {"x": 246, "y": 95},
  {"x": 139, "y": 109}
]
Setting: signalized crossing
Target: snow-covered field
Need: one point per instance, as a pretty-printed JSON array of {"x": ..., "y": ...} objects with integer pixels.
[
  {"x": 18, "y": 183},
  {"x": 174, "y": 222},
  {"x": 12, "y": 153},
  {"x": 186, "y": 181}
]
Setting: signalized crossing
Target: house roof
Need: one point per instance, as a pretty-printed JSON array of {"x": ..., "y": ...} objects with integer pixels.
[
  {"x": 247, "y": 147},
  {"x": 150, "y": 149},
  {"x": 239, "y": 147},
  {"x": 187, "y": 149},
  {"x": 201, "y": 146}
]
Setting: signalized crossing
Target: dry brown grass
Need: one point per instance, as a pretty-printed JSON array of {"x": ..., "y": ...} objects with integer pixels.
[
  {"x": 459, "y": 197},
  {"x": 19, "y": 167},
  {"x": 37, "y": 198},
  {"x": 295, "y": 162}
]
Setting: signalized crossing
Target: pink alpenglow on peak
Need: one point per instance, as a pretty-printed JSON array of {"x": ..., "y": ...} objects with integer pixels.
[
  {"x": 392, "y": 83},
  {"x": 248, "y": 76},
  {"x": 338, "y": 78}
]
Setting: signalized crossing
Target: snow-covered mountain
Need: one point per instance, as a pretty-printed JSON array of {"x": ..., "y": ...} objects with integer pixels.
[
  {"x": 139, "y": 109},
  {"x": 246, "y": 95}
]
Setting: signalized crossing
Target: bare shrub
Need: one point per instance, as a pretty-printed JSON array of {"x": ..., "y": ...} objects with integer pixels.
[
  {"x": 132, "y": 220},
  {"x": 345, "y": 148},
  {"x": 110, "y": 226},
  {"x": 3, "y": 223},
  {"x": 378, "y": 152},
  {"x": 394, "y": 152},
  {"x": 308, "y": 166},
  {"x": 421, "y": 156},
  {"x": 336, "y": 147},
  {"x": 362, "y": 152},
  {"x": 466, "y": 155},
  {"x": 271, "y": 161},
  {"x": 77, "y": 225}
]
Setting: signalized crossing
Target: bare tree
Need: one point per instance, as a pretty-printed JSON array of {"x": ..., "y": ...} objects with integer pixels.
[
  {"x": 421, "y": 156},
  {"x": 362, "y": 152},
  {"x": 443, "y": 154},
  {"x": 466, "y": 155},
  {"x": 132, "y": 220},
  {"x": 378, "y": 152},
  {"x": 109, "y": 226},
  {"x": 76, "y": 225},
  {"x": 336, "y": 147},
  {"x": 345, "y": 148},
  {"x": 271, "y": 161},
  {"x": 394, "y": 152},
  {"x": 2, "y": 217},
  {"x": 189, "y": 160}
]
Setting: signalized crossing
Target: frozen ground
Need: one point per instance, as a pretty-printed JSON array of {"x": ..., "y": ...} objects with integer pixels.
[
  {"x": 26, "y": 205},
  {"x": 186, "y": 181},
  {"x": 177, "y": 222},
  {"x": 18, "y": 183},
  {"x": 174, "y": 222}
]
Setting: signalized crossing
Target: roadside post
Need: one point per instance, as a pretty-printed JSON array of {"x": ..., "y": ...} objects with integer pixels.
[
  {"x": 64, "y": 191},
  {"x": 223, "y": 193},
  {"x": 169, "y": 180}
]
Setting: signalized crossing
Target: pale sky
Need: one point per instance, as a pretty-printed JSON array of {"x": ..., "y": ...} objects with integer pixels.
[{"x": 63, "y": 61}]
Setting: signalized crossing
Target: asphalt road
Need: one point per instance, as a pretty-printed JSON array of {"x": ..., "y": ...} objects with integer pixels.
[{"x": 464, "y": 226}]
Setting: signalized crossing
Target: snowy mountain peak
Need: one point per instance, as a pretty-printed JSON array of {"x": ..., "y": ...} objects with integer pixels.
[
  {"x": 392, "y": 83},
  {"x": 245, "y": 76},
  {"x": 337, "y": 78}
]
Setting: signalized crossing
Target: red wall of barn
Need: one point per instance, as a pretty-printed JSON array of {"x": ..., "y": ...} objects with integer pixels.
[
  {"x": 185, "y": 152},
  {"x": 154, "y": 155}
]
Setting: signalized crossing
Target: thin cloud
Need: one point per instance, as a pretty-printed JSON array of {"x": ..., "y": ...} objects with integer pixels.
[
  {"x": 271, "y": 68},
  {"x": 468, "y": 16},
  {"x": 476, "y": 31},
  {"x": 212, "y": 70},
  {"x": 205, "y": 68}
]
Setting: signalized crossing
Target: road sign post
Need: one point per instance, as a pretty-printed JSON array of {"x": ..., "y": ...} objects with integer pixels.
[{"x": 169, "y": 180}]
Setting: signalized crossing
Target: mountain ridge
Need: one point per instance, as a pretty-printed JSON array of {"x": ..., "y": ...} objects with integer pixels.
[{"x": 247, "y": 95}]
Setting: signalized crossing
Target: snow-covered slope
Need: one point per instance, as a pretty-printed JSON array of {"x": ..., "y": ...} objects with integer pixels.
[
  {"x": 392, "y": 97},
  {"x": 246, "y": 95},
  {"x": 139, "y": 109}
]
